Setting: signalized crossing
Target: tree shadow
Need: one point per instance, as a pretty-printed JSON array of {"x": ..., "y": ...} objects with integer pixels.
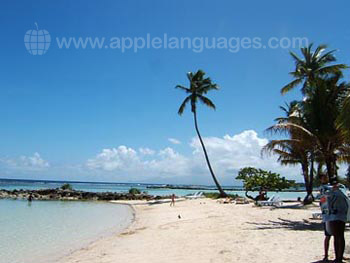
[{"x": 289, "y": 224}]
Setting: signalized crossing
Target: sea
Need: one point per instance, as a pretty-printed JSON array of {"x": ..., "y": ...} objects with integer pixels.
[{"x": 45, "y": 231}]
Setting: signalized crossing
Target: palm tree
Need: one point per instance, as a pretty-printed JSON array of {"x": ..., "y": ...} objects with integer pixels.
[
  {"x": 322, "y": 109},
  {"x": 200, "y": 85},
  {"x": 298, "y": 148},
  {"x": 313, "y": 65}
]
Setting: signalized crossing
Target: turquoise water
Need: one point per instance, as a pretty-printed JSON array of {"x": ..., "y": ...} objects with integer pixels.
[
  {"x": 43, "y": 231},
  {"x": 122, "y": 188}
]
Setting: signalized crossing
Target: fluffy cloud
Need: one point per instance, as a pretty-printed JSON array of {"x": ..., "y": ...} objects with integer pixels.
[
  {"x": 174, "y": 141},
  {"x": 121, "y": 158},
  {"x": 146, "y": 151},
  {"x": 26, "y": 163},
  {"x": 227, "y": 155}
]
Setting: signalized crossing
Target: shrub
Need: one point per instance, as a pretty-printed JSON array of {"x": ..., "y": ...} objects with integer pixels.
[
  {"x": 216, "y": 195},
  {"x": 67, "y": 186},
  {"x": 134, "y": 191}
]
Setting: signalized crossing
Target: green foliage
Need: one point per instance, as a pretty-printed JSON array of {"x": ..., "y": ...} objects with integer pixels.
[
  {"x": 134, "y": 191},
  {"x": 216, "y": 195},
  {"x": 67, "y": 186},
  {"x": 258, "y": 179}
]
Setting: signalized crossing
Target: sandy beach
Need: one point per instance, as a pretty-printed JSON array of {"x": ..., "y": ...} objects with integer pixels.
[{"x": 211, "y": 232}]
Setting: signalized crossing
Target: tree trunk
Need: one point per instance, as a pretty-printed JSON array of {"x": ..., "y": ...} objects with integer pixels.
[
  {"x": 307, "y": 199},
  {"x": 309, "y": 196},
  {"x": 249, "y": 196},
  {"x": 222, "y": 193},
  {"x": 331, "y": 167}
]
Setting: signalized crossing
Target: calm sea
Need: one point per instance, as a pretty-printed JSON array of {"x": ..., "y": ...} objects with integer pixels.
[
  {"x": 43, "y": 231},
  {"x": 122, "y": 187}
]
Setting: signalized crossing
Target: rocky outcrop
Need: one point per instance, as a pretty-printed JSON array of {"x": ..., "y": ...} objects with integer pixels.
[{"x": 59, "y": 194}]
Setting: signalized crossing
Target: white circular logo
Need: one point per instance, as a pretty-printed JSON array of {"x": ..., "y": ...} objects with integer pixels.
[{"x": 36, "y": 41}]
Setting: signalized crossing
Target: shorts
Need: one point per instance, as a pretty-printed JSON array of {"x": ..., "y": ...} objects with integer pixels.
[{"x": 325, "y": 230}]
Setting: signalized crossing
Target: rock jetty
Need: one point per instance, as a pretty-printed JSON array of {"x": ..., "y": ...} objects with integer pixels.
[{"x": 59, "y": 194}]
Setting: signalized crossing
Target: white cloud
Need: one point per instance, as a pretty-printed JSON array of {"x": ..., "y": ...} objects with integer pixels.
[
  {"x": 227, "y": 155},
  {"x": 26, "y": 163},
  {"x": 114, "y": 159},
  {"x": 146, "y": 151},
  {"x": 174, "y": 141}
]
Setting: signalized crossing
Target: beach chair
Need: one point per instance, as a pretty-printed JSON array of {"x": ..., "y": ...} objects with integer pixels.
[
  {"x": 274, "y": 200},
  {"x": 195, "y": 195}
]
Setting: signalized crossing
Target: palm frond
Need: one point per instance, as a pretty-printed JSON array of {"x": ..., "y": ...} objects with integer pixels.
[
  {"x": 206, "y": 101},
  {"x": 183, "y": 105},
  {"x": 291, "y": 85},
  {"x": 187, "y": 90}
]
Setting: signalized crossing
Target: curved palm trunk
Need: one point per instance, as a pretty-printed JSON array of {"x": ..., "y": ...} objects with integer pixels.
[{"x": 222, "y": 193}]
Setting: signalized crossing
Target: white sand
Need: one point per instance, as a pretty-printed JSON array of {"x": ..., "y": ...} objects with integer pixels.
[{"x": 211, "y": 232}]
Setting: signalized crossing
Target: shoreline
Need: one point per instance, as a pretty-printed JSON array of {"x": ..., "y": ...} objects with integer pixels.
[
  {"x": 210, "y": 232},
  {"x": 107, "y": 233}
]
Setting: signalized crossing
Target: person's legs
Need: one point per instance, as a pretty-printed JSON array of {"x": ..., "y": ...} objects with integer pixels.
[
  {"x": 326, "y": 242},
  {"x": 337, "y": 229},
  {"x": 326, "y": 246}
]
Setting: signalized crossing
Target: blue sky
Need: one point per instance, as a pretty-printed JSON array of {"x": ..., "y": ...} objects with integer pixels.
[{"x": 61, "y": 109}]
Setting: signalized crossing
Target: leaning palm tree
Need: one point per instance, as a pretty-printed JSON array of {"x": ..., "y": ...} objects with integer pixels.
[
  {"x": 314, "y": 64},
  {"x": 199, "y": 85}
]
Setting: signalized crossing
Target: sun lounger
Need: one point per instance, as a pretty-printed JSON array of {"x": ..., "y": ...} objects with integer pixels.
[
  {"x": 272, "y": 201},
  {"x": 195, "y": 195}
]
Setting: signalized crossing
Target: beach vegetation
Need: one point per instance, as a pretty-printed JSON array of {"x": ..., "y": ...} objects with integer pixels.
[
  {"x": 315, "y": 127},
  {"x": 216, "y": 195},
  {"x": 258, "y": 180},
  {"x": 134, "y": 191},
  {"x": 199, "y": 87},
  {"x": 67, "y": 186}
]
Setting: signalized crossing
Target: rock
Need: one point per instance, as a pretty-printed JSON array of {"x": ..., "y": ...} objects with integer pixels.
[{"x": 58, "y": 194}]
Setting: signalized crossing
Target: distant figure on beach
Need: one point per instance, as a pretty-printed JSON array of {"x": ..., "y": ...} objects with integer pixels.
[
  {"x": 262, "y": 195},
  {"x": 30, "y": 197},
  {"x": 334, "y": 205},
  {"x": 172, "y": 203}
]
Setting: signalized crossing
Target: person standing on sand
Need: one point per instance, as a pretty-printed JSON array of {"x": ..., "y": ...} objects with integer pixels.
[
  {"x": 172, "y": 203},
  {"x": 324, "y": 187},
  {"x": 334, "y": 205}
]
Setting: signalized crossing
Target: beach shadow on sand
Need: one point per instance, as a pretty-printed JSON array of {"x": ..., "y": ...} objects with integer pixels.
[{"x": 288, "y": 224}]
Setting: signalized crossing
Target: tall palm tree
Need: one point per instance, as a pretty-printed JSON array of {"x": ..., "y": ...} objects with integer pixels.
[
  {"x": 298, "y": 148},
  {"x": 313, "y": 65},
  {"x": 322, "y": 109},
  {"x": 199, "y": 85}
]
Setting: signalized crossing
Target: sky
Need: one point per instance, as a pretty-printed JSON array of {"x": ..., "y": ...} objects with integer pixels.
[{"x": 110, "y": 113}]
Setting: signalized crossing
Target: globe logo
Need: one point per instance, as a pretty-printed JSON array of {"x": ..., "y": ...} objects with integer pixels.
[{"x": 37, "y": 42}]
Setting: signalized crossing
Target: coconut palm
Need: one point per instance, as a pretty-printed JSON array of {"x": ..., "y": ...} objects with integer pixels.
[
  {"x": 322, "y": 110},
  {"x": 199, "y": 85},
  {"x": 314, "y": 64},
  {"x": 298, "y": 148}
]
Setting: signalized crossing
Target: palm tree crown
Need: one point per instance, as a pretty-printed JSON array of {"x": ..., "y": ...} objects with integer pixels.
[
  {"x": 198, "y": 86},
  {"x": 313, "y": 65}
]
